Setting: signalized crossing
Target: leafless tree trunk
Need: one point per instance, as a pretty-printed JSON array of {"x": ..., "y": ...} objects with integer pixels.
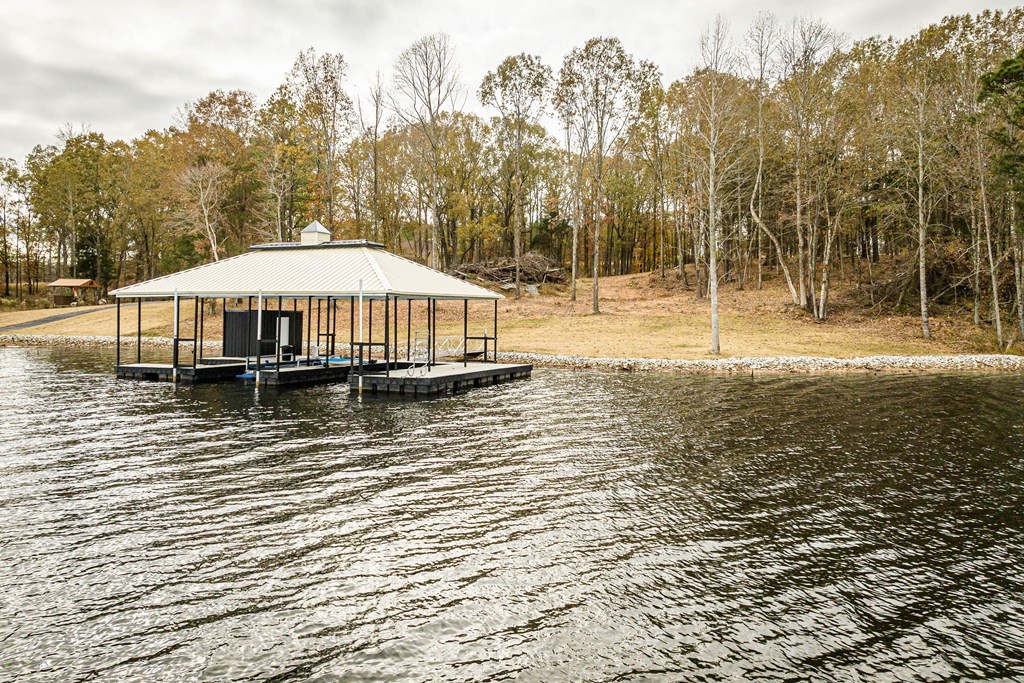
[
  {"x": 922, "y": 228},
  {"x": 202, "y": 190},
  {"x": 426, "y": 84},
  {"x": 987, "y": 221}
]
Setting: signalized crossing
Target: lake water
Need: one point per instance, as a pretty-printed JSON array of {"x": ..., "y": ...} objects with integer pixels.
[{"x": 577, "y": 526}]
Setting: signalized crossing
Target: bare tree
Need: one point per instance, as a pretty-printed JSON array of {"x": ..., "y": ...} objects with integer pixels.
[
  {"x": 762, "y": 52},
  {"x": 317, "y": 83},
  {"x": 578, "y": 147},
  {"x": 425, "y": 85},
  {"x": 518, "y": 90},
  {"x": 201, "y": 190},
  {"x": 600, "y": 79},
  {"x": 715, "y": 98},
  {"x": 803, "y": 49}
]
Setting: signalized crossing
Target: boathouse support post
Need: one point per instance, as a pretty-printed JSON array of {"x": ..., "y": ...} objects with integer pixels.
[
  {"x": 195, "y": 330},
  {"x": 387, "y": 329},
  {"x": 465, "y": 332},
  {"x": 430, "y": 334},
  {"x": 259, "y": 335},
  {"x": 138, "y": 331},
  {"x": 360, "y": 337},
  {"x": 174, "y": 353},
  {"x": 202, "y": 322},
  {"x": 277, "y": 334},
  {"x": 351, "y": 331},
  {"x": 248, "y": 334},
  {"x": 395, "y": 338},
  {"x": 117, "y": 354},
  {"x": 309, "y": 328},
  {"x": 408, "y": 332},
  {"x": 495, "y": 330},
  {"x": 327, "y": 330}
]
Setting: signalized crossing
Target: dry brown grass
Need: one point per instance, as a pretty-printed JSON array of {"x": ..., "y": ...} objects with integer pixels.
[{"x": 642, "y": 316}]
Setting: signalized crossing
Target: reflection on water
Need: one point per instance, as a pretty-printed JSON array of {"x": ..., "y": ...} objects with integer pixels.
[{"x": 575, "y": 526}]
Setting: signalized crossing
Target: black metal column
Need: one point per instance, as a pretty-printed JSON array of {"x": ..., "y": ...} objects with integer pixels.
[
  {"x": 277, "y": 335},
  {"x": 327, "y": 333},
  {"x": 138, "y": 338},
  {"x": 387, "y": 328},
  {"x": 117, "y": 354},
  {"x": 495, "y": 330},
  {"x": 309, "y": 327},
  {"x": 465, "y": 332},
  {"x": 351, "y": 330},
  {"x": 195, "y": 331},
  {"x": 248, "y": 334},
  {"x": 260, "y": 305},
  {"x": 177, "y": 316},
  {"x": 202, "y": 323}
]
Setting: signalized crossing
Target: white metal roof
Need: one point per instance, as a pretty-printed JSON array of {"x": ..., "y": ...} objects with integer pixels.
[{"x": 293, "y": 270}]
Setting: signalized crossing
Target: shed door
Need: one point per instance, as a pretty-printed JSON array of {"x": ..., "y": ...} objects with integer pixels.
[{"x": 283, "y": 332}]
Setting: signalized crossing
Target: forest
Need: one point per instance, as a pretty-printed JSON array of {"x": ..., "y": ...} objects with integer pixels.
[{"x": 788, "y": 152}]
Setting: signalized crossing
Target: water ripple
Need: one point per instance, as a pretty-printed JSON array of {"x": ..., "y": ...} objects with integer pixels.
[{"x": 579, "y": 526}]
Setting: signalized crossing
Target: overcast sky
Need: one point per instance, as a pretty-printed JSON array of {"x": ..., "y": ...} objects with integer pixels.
[{"x": 122, "y": 67}]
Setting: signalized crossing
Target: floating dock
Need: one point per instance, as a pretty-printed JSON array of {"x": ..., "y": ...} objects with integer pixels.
[
  {"x": 222, "y": 369},
  {"x": 209, "y": 370},
  {"x": 306, "y": 375},
  {"x": 441, "y": 379},
  {"x": 403, "y": 379}
]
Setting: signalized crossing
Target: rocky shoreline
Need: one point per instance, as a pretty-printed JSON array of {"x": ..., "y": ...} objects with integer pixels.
[
  {"x": 781, "y": 365},
  {"x": 723, "y": 366}
]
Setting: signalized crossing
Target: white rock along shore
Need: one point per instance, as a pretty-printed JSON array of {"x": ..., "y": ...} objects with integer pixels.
[{"x": 726, "y": 366}]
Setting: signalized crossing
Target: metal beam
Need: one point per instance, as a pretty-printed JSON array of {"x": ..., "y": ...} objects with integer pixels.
[{"x": 138, "y": 339}]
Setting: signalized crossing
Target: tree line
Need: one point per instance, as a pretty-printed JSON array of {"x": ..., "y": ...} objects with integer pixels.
[{"x": 787, "y": 150}]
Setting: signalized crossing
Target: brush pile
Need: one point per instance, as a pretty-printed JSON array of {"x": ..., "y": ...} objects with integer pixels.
[{"x": 534, "y": 268}]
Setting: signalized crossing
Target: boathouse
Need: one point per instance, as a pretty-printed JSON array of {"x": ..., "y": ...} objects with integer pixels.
[{"x": 288, "y": 308}]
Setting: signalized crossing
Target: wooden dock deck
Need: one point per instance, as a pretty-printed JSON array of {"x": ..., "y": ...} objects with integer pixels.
[{"x": 441, "y": 380}]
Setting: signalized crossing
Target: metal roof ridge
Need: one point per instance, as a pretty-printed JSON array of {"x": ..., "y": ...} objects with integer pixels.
[{"x": 384, "y": 281}]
